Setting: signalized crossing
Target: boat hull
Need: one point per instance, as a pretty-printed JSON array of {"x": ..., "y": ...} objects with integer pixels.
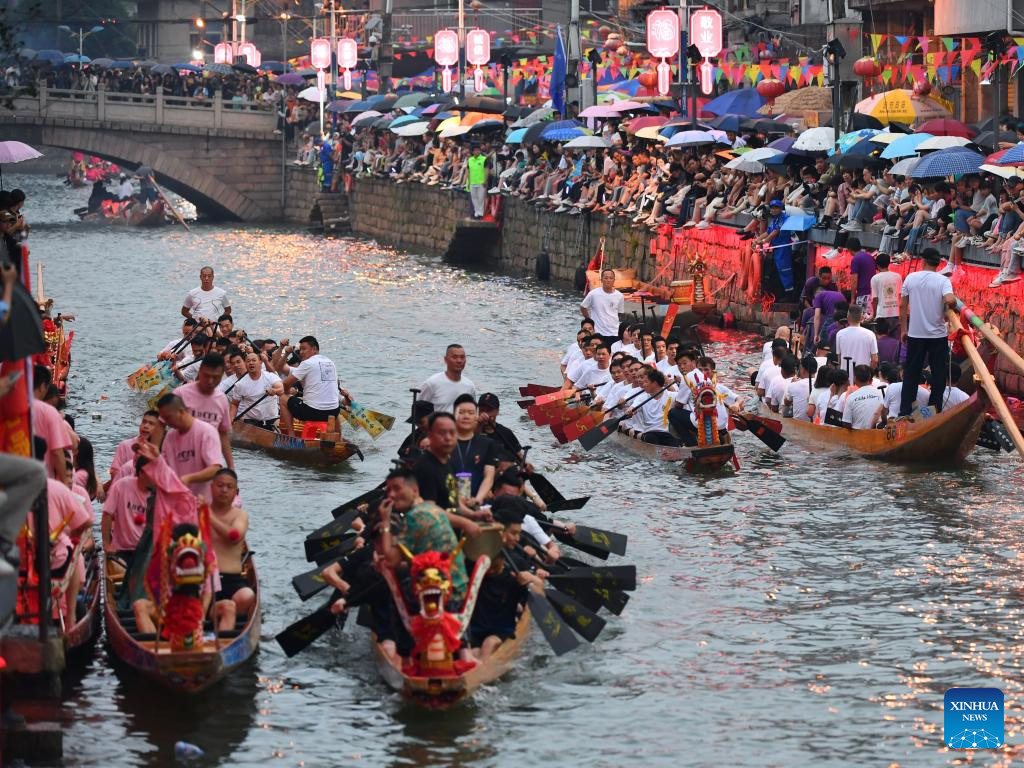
[
  {"x": 445, "y": 692},
  {"x": 707, "y": 459},
  {"x": 190, "y": 671},
  {"x": 312, "y": 452},
  {"x": 945, "y": 438},
  {"x": 81, "y": 635}
]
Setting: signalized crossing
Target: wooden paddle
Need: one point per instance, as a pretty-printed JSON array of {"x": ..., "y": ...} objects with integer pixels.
[
  {"x": 608, "y": 576},
  {"x": 761, "y": 429},
  {"x": 593, "y": 598},
  {"x": 552, "y": 397},
  {"x": 312, "y": 582},
  {"x": 170, "y": 205},
  {"x": 606, "y": 541},
  {"x": 532, "y": 390},
  {"x": 343, "y": 520},
  {"x": 316, "y": 548},
  {"x": 670, "y": 319},
  {"x": 991, "y": 334},
  {"x": 258, "y": 401},
  {"x": 555, "y": 630},
  {"x": 592, "y": 437},
  {"x": 304, "y": 632}
]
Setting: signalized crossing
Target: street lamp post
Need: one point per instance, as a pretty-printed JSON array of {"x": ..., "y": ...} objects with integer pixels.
[{"x": 462, "y": 49}]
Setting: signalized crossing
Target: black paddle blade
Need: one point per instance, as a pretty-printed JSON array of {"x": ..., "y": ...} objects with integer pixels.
[
  {"x": 342, "y": 549},
  {"x": 316, "y": 547},
  {"x": 524, "y": 404},
  {"x": 555, "y": 631},
  {"x": 601, "y": 577},
  {"x": 336, "y": 527},
  {"x": 595, "y": 537},
  {"x": 585, "y": 621},
  {"x": 579, "y": 592},
  {"x": 764, "y": 433},
  {"x": 309, "y": 583},
  {"x": 366, "y": 498},
  {"x": 545, "y": 489},
  {"x": 590, "y": 439},
  {"x": 613, "y": 599},
  {"x": 304, "y": 632},
  {"x": 567, "y": 505}
]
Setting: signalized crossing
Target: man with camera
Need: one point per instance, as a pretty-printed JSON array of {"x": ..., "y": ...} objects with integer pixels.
[{"x": 318, "y": 377}]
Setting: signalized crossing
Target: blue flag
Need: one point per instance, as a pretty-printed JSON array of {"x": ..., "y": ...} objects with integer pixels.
[{"x": 558, "y": 74}]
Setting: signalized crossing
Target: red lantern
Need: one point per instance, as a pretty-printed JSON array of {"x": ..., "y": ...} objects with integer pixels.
[
  {"x": 603, "y": 31},
  {"x": 922, "y": 89},
  {"x": 648, "y": 79},
  {"x": 867, "y": 66},
  {"x": 771, "y": 89}
]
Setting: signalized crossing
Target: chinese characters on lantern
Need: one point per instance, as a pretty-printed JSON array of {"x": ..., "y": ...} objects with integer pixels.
[
  {"x": 663, "y": 43},
  {"x": 320, "y": 58},
  {"x": 348, "y": 57},
  {"x": 478, "y": 53},
  {"x": 706, "y": 31},
  {"x": 446, "y": 54}
]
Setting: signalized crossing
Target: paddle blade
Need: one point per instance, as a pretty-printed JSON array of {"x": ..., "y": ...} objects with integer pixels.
[
  {"x": 761, "y": 429},
  {"x": 578, "y": 427},
  {"x": 304, "y": 632},
  {"x": 592, "y": 437},
  {"x": 558, "y": 430},
  {"x": 555, "y": 631},
  {"x": 586, "y": 597},
  {"x": 339, "y": 550},
  {"x": 383, "y": 419},
  {"x": 604, "y": 577},
  {"x": 583, "y": 620},
  {"x": 670, "y": 319},
  {"x": 532, "y": 390},
  {"x": 607, "y": 541},
  {"x": 308, "y": 584},
  {"x": 562, "y": 505},
  {"x": 545, "y": 489},
  {"x": 524, "y": 404},
  {"x": 316, "y": 547},
  {"x": 551, "y": 397}
]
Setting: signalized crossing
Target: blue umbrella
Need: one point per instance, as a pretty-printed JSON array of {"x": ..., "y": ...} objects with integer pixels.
[
  {"x": 356, "y": 106},
  {"x": 216, "y": 69},
  {"x": 785, "y": 145},
  {"x": 847, "y": 140},
  {"x": 125, "y": 64},
  {"x": 277, "y": 67},
  {"x": 563, "y": 134},
  {"x": 798, "y": 222},
  {"x": 560, "y": 125},
  {"x": 186, "y": 67},
  {"x": 442, "y": 115},
  {"x": 955, "y": 161},
  {"x": 74, "y": 58},
  {"x": 905, "y": 146},
  {"x": 1012, "y": 155},
  {"x": 515, "y": 136},
  {"x": 398, "y": 122},
  {"x": 745, "y": 101},
  {"x": 338, "y": 105},
  {"x": 727, "y": 123},
  {"x": 49, "y": 57}
]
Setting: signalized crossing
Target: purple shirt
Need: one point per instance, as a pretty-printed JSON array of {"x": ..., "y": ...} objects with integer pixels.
[
  {"x": 863, "y": 266},
  {"x": 889, "y": 348},
  {"x": 826, "y": 301}
]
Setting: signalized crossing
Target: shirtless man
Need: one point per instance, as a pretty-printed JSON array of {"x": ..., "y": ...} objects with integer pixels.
[{"x": 229, "y": 525}]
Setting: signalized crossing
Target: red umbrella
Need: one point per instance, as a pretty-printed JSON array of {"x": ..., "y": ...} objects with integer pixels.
[
  {"x": 995, "y": 157},
  {"x": 947, "y": 126},
  {"x": 638, "y": 123}
]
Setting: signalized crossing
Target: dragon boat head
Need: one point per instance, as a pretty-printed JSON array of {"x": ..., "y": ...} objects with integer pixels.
[{"x": 186, "y": 554}]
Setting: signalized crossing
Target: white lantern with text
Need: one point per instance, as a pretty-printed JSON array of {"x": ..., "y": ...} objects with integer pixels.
[
  {"x": 663, "y": 43},
  {"x": 446, "y": 54},
  {"x": 478, "y": 53},
  {"x": 706, "y": 34},
  {"x": 320, "y": 53},
  {"x": 348, "y": 57},
  {"x": 250, "y": 52},
  {"x": 223, "y": 53}
]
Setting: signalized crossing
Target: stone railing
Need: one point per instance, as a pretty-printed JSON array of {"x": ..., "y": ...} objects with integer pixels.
[{"x": 110, "y": 107}]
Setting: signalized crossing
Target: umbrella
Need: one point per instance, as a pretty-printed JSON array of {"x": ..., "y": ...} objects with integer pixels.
[
  {"x": 1003, "y": 171},
  {"x": 431, "y": 109},
  {"x": 814, "y": 98},
  {"x": 626, "y": 105},
  {"x": 125, "y": 64},
  {"x": 382, "y": 102},
  {"x": 15, "y": 152},
  {"x": 547, "y": 128},
  {"x": 857, "y": 161},
  {"x": 356, "y": 107},
  {"x": 905, "y": 145},
  {"x": 744, "y": 164},
  {"x": 487, "y": 125},
  {"x": 449, "y": 122},
  {"x": 349, "y": 95},
  {"x": 859, "y": 121},
  {"x": 763, "y": 153},
  {"x": 515, "y": 136},
  {"x": 798, "y": 222},
  {"x": 163, "y": 69},
  {"x": 410, "y": 100},
  {"x": 766, "y": 126},
  {"x": 337, "y": 106},
  {"x": 480, "y": 104},
  {"x": 942, "y": 142},
  {"x": 274, "y": 67},
  {"x": 600, "y": 110},
  {"x": 955, "y": 161},
  {"x": 104, "y": 62},
  {"x": 313, "y": 94},
  {"x": 692, "y": 139},
  {"x": 455, "y": 130},
  {"x": 638, "y": 123},
  {"x": 213, "y": 69},
  {"x": 745, "y": 101},
  {"x": 290, "y": 78},
  {"x": 903, "y": 105},
  {"x": 1013, "y": 156},
  {"x": 74, "y": 58},
  {"x": 653, "y": 133},
  {"x": 816, "y": 140},
  {"x": 398, "y": 122},
  {"x": 411, "y": 129},
  {"x": 885, "y": 137},
  {"x": 947, "y": 126},
  {"x": 49, "y": 56},
  {"x": 990, "y": 140},
  {"x": 382, "y": 122},
  {"x": 688, "y": 124},
  {"x": 847, "y": 140},
  {"x": 905, "y": 166},
  {"x": 368, "y": 116},
  {"x": 727, "y": 123},
  {"x": 588, "y": 142},
  {"x": 535, "y": 116},
  {"x": 183, "y": 67},
  {"x": 247, "y": 69},
  {"x": 564, "y": 134}
]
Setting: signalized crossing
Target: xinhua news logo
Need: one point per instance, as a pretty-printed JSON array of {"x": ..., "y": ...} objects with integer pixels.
[{"x": 973, "y": 718}]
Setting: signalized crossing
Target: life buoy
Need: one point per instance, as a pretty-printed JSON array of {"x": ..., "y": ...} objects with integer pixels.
[{"x": 542, "y": 267}]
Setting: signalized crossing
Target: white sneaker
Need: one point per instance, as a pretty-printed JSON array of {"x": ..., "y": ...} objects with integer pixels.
[
  {"x": 831, "y": 254},
  {"x": 493, "y": 191},
  {"x": 997, "y": 282},
  {"x": 1011, "y": 279},
  {"x": 947, "y": 270},
  {"x": 689, "y": 224},
  {"x": 703, "y": 225},
  {"x": 853, "y": 226}
]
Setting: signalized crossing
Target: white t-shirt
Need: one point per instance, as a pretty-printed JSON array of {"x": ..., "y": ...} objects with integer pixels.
[
  {"x": 857, "y": 343},
  {"x": 592, "y": 375},
  {"x": 690, "y": 382},
  {"x": 650, "y": 417},
  {"x": 925, "y": 290},
  {"x": 188, "y": 368},
  {"x": 798, "y": 392},
  {"x": 813, "y": 399},
  {"x": 825, "y": 401},
  {"x": 207, "y": 304},
  {"x": 885, "y": 286},
  {"x": 953, "y": 396},
  {"x": 766, "y": 351},
  {"x": 765, "y": 374},
  {"x": 604, "y": 308},
  {"x": 573, "y": 352},
  {"x": 861, "y": 406},
  {"x": 227, "y": 382},
  {"x": 442, "y": 391},
  {"x": 776, "y": 390},
  {"x": 629, "y": 349},
  {"x": 182, "y": 350},
  {"x": 319, "y": 379},
  {"x": 248, "y": 390},
  {"x": 578, "y": 367},
  {"x": 893, "y": 393},
  {"x": 125, "y": 189},
  {"x": 725, "y": 397}
]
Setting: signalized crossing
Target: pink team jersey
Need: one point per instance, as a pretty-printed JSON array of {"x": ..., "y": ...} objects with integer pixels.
[
  {"x": 67, "y": 512},
  {"x": 48, "y": 424},
  {"x": 123, "y": 453},
  {"x": 126, "y": 506},
  {"x": 213, "y": 409},
  {"x": 193, "y": 451}
]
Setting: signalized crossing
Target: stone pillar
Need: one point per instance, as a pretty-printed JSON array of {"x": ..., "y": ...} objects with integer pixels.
[{"x": 160, "y": 107}]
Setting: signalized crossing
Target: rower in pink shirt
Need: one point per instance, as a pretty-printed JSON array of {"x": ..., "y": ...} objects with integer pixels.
[
  {"x": 150, "y": 429},
  {"x": 191, "y": 447},
  {"x": 209, "y": 404},
  {"x": 48, "y": 424}
]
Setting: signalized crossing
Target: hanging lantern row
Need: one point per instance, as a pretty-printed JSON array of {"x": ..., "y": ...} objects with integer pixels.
[
  {"x": 446, "y": 54},
  {"x": 662, "y": 43},
  {"x": 226, "y": 53},
  {"x": 771, "y": 88},
  {"x": 706, "y": 33}
]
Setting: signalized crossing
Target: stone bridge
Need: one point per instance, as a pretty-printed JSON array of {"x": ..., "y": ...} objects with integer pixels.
[{"x": 223, "y": 156}]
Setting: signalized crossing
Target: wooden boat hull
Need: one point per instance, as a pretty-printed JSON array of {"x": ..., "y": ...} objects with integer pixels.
[
  {"x": 446, "y": 692},
  {"x": 708, "y": 459},
  {"x": 186, "y": 672},
  {"x": 312, "y": 452},
  {"x": 945, "y": 438}
]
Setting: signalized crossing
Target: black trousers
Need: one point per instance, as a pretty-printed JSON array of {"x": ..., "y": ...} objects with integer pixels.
[
  {"x": 936, "y": 352},
  {"x": 679, "y": 418},
  {"x": 660, "y": 438}
]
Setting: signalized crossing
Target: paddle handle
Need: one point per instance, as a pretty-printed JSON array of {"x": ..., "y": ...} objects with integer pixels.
[
  {"x": 991, "y": 335},
  {"x": 260, "y": 400},
  {"x": 988, "y": 383}
]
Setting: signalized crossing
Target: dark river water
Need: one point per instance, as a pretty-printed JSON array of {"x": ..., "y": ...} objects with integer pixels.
[{"x": 809, "y": 610}]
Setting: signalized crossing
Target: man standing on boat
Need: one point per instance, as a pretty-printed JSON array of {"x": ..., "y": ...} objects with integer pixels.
[
  {"x": 319, "y": 379},
  {"x": 251, "y": 387},
  {"x": 207, "y": 403},
  {"x": 604, "y": 305},
  {"x": 923, "y": 301},
  {"x": 207, "y": 302},
  {"x": 442, "y": 388},
  {"x": 191, "y": 447}
]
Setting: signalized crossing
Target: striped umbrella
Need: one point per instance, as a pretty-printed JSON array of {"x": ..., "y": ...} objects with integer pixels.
[
  {"x": 1013, "y": 156},
  {"x": 955, "y": 161}
]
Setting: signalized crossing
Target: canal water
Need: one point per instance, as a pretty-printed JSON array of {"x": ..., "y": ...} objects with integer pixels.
[{"x": 808, "y": 610}]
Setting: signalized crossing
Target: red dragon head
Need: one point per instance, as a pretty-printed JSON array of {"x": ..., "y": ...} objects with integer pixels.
[{"x": 431, "y": 581}]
